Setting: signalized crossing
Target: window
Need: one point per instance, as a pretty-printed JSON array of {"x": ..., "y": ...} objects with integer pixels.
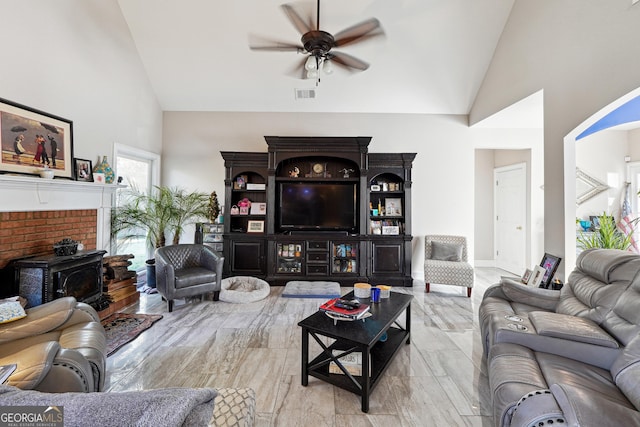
[{"x": 140, "y": 169}]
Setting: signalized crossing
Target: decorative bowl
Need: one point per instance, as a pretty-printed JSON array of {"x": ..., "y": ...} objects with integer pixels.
[
  {"x": 46, "y": 173},
  {"x": 585, "y": 224},
  {"x": 65, "y": 247}
]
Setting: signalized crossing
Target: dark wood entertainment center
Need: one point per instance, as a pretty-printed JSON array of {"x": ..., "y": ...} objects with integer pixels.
[{"x": 367, "y": 242}]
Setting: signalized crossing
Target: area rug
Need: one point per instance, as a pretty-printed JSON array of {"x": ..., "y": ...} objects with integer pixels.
[
  {"x": 122, "y": 328},
  {"x": 302, "y": 289}
]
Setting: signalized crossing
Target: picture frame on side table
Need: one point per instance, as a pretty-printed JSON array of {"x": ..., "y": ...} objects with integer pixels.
[
  {"x": 536, "y": 276},
  {"x": 31, "y": 139},
  {"x": 255, "y": 227},
  {"x": 393, "y": 207},
  {"x": 525, "y": 277},
  {"x": 82, "y": 169},
  {"x": 550, "y": 264}
]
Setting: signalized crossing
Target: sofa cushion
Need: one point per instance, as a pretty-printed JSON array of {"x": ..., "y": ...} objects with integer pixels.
[
  {"x": 187, "y": 277},
  {"x": 446, "y": 251}
]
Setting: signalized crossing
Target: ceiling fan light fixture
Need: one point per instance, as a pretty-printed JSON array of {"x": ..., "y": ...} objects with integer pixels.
[
  {"x": 311, "y": 63},
  {"x": 327, "y": 67},
  {"x": 312, "y": 74}
]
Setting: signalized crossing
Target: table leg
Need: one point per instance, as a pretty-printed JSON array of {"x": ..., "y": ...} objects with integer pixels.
[
  {"x": 366, "y": 379},
  {"x": 305, "y": 357},
  {"x": 408, "y": 324}
]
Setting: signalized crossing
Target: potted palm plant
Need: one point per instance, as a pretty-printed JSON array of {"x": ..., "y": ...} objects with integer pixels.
[{"x": 155, "y": 216}]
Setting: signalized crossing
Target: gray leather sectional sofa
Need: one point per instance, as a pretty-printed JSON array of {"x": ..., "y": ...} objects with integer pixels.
[{"x": 569, "y": 357}]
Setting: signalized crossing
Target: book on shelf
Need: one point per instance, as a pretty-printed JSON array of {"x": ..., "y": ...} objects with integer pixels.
[
  {"x": 346, "y": 313},
  {"x": 352, "y": 362}
]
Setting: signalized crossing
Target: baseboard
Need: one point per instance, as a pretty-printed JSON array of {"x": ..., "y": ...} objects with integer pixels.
[{"x": 484, "y": 263}]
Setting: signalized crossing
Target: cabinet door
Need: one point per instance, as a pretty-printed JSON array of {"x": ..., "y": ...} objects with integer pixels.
[
  {"x": 247, "y": 257},
  {"x": 387, "y": 257}
]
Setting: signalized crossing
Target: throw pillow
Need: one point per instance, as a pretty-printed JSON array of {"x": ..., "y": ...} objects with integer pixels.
[
  {"x": 446, "y": 251},
  {"x": 10, "y": 311}
]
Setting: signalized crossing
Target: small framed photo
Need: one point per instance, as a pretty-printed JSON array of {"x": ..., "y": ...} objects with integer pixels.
[
  {"x": 82, "y": 169},
  {"x": 390, "y": 230},
  {"x": 536, "y": 276},
  {"x": 99, "y": 178},
  {"x": 550, "y": 264},
  {"x": 393, "y": 207},
  {"x": 240, "y": 182},
  {"x": 258, "y": 208},
  {"x": 255, "y": 227},
  {"x": 525, "y": 277},
  {"x": 244, "y": 210},
  {"x": 375, "y": 187}
]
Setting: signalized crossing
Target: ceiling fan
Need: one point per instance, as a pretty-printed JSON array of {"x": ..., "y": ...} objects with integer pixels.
[{"x": 318, "y": 45}]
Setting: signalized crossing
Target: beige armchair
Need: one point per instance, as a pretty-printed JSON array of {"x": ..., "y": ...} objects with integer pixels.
[
  {"x": 187, "y": 270},
  {"x": 59, "y": 347},
  {"x": 445, "y": 262}
]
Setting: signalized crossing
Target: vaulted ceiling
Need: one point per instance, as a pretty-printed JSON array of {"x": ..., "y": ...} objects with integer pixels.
[{"x": 432, "y": 59}]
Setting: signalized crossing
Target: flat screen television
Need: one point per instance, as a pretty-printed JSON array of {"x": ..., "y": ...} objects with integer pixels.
[{"x": 317, "y": 206}]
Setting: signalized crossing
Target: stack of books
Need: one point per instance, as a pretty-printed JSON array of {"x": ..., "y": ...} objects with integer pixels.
[{"x": 345, "y": 309}]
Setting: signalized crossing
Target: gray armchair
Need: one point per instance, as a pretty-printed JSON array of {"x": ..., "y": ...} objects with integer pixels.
[
  {"x": 445, "y": 262},
  {"x": 187, "y": 270}
]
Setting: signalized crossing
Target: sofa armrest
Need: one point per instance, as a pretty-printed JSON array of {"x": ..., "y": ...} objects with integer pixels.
[
  {"x": 39, "y": 320},
  {"x": 538, "y": 407},
  {"x": 582, "y": 407},
  {"x": 33, "y": 363},
  {"x": 572, "y": 328},
  {"x": 165, "y": 276},
  {"x": 537, "y": 297}
]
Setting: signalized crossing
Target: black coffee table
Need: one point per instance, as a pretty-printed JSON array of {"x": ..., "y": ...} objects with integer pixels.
[{"x": 357, "y": 336}]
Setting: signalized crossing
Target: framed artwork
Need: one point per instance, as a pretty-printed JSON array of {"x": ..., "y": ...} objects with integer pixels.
[
  {"x": 550, "y": 264},
  {"x": 255, "y": 227},
  {"x": 393, "y": 207},
  {"x": 31, "y": 140},
  {"x": 525, "y": 277},
  {"x": 82, "y": 169}
]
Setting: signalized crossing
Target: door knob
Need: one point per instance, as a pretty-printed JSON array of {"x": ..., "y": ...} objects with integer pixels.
[{"x": 518, "y": 228}]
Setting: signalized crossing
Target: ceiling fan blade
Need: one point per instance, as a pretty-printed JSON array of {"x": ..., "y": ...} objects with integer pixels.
[
  {"x": 347, "y": 60},
  {"x": 364, "y": 30},
  {"x": 261, "y": 43},
  {"x": 300, "y": 24},
  {"x": 298, "y": 71}
]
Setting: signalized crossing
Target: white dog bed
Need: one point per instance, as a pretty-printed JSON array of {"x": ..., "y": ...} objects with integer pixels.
[{"x": 243, "y": 289}]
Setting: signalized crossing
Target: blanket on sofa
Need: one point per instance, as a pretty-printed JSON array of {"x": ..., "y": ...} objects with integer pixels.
[{"x": 162, "y": 407}]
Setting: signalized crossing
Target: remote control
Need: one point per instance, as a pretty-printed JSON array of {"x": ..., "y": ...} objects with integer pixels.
[{"x": 347, "y": 304}]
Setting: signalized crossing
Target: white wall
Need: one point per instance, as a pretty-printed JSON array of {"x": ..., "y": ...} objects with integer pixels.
[
  {"x": 514, "y": 146},
  {"x": 584, "y": 55},
  {"x": 483, "y": 210},
  {"x": 76, "y": 59},
  {"x": 443, "y": 171}
]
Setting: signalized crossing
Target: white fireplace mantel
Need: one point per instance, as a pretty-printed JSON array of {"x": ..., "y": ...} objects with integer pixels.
[{"x": 28, "y": 194}]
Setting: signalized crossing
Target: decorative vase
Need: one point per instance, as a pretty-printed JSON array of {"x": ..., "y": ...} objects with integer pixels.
[{"x": 104, "y": 168}]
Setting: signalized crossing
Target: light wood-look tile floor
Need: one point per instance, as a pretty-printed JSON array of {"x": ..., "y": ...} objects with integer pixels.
[{"x": 438, "y": 380}]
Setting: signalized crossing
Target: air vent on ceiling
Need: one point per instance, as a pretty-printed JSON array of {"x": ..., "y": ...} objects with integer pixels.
[{"x": 305, "y": 93}]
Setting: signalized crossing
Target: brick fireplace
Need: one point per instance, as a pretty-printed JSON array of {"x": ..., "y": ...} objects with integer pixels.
[
  {"x": 34, "y": 233},
  {"x": 35, "y": 213}
]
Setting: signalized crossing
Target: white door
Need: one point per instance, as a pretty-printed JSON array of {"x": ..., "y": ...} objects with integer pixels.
[{"x": 510, "y": 198}]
